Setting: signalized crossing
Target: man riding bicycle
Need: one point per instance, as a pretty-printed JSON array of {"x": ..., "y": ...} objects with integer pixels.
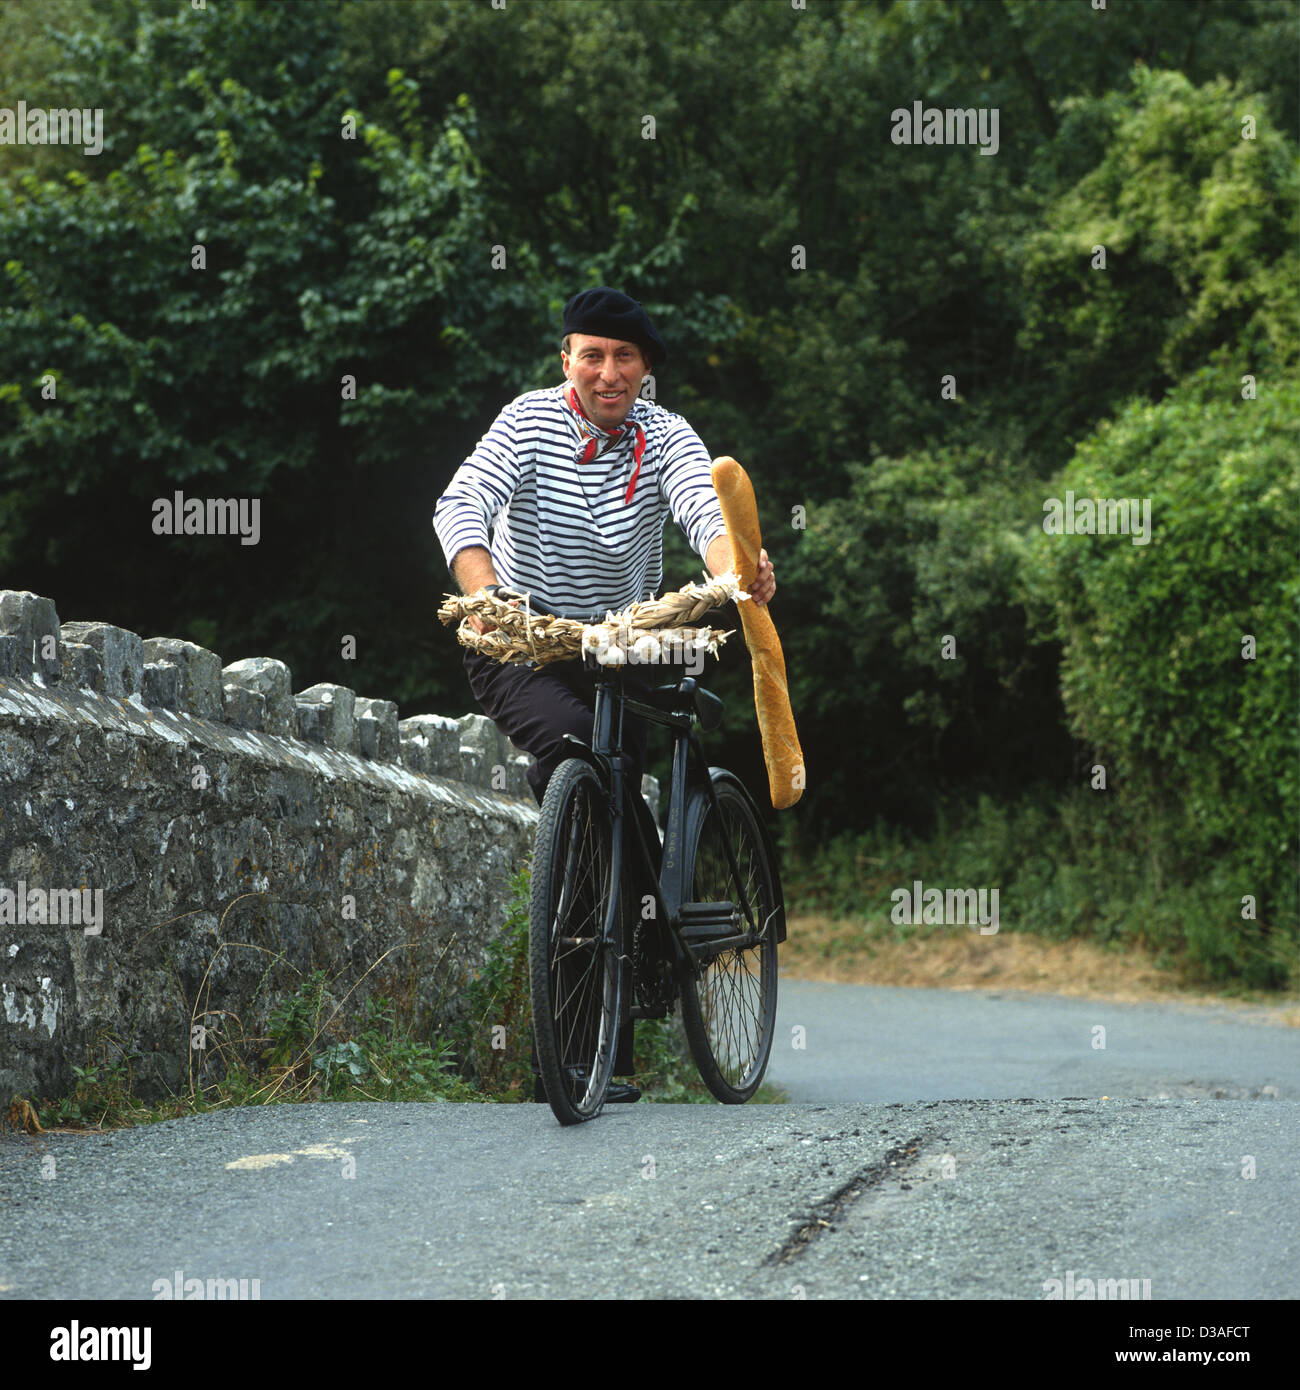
[{"x": 576, "y": 482}]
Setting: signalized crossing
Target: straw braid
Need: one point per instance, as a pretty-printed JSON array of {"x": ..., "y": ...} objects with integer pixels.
[{"x": 522, "y": 635}]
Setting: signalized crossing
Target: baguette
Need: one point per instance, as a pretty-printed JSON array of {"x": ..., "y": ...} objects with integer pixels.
[{"x": 781, "y": 751}]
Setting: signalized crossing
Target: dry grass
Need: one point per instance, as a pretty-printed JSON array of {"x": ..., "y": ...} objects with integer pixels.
[{"x": 864, "y": 953}]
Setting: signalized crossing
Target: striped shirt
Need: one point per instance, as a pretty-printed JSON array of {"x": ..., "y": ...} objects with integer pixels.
[{"x": 563, "y": 531}]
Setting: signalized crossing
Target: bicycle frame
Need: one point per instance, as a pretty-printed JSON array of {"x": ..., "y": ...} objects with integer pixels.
[{"x": 711, "y": 929}]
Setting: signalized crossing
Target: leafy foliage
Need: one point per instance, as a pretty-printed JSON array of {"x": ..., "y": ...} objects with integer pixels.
[
  {"x": 1198, "y": 226},
  {"x": 1156, "y": 673},
  {"x": 916, "y": 633}
]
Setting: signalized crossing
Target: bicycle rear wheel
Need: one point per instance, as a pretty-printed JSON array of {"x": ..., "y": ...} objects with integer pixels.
[
  {"x": 575, "y": 973},
  {"x": 730, "y": 1011}
]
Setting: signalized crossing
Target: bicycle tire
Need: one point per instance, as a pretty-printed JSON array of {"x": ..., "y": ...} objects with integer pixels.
[
  {"x": 575, "y": 978},
  {"x": 729, "y": 1012}
]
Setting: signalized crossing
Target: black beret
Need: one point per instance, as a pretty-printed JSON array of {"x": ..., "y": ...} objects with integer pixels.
[{"x": 605, "y": 313}]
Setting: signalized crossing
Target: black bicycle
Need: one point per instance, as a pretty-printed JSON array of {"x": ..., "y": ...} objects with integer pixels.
[{"x": 609, "y": 931}]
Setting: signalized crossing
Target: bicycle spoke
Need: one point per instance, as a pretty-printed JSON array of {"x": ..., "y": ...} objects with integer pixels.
[
  {"x": 575, "y": 982},
  {"x": 735, "y": 995}
]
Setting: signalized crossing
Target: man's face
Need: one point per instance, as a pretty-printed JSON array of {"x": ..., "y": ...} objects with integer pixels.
[{"x": 606, "y": 373}]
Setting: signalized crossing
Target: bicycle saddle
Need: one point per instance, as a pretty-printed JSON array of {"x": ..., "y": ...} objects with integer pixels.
[{"x": 686, "y": 694}]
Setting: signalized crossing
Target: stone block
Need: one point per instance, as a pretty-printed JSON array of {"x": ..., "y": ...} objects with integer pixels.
[
  {"x": 162, "y": 685},
  {"x": 200, "y": 674},
  {"x": 474, "y": 769},
  {"x": 81, "y": 667},
  {"x": 121, "y": 654},
  {"x": 483, "y": 748},
  {"x": 313, "y": 723},
  {"x": 31, "y": 619},
  {"x": 244, "y": 708},
  {"x": 431, "y": 744},
  {"x": 377, "y": 732},
  {"x": 327, "y": 714},
  {"x": 271, "y": 680},
  {"x": 517, "y": 776}
]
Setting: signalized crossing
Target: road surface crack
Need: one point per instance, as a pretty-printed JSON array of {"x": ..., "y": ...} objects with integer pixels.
[{"x": 822, "y": 1218}]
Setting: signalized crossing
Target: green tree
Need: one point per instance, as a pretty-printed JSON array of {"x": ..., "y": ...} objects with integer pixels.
[
  {"x": 1179, "y": 667},
  {"x": 911, "y": 672},
  {"x": 326, "y": 258},
  {"x": 1199, "y": 229}
]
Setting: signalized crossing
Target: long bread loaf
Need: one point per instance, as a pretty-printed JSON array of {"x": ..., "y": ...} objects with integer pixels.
[{"x": 781, "y": 751}]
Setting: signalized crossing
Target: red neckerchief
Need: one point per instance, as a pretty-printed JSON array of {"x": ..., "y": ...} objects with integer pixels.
[{"x": 595, "y": 434}]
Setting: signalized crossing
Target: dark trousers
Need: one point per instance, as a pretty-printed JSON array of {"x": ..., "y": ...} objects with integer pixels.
[{"x": 535, "y": 707}]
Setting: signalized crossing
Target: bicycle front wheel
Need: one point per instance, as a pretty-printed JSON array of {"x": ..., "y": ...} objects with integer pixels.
[
  {"x": 575, "y": 971},
  {"x": 730, "y": 1011}
]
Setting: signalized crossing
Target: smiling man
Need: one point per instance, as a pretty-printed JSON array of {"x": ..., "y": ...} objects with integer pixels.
[{"x": 575, "y": 483}]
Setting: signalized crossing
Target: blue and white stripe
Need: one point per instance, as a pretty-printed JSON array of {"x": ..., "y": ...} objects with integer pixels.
[{"x": 562, "y": 530}]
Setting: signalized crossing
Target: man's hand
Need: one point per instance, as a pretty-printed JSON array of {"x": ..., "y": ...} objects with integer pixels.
[
  {"x": 482, "y": 625},
  {"x": 471, "y": 568},
  {"x": 762, "y": 589},
  {"x": 721, "y": 561}
]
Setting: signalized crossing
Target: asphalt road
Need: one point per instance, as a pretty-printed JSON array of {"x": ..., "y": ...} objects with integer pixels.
[
  {"x": 869, "y": 1043},
  {"x": 953, "y": 1196}
]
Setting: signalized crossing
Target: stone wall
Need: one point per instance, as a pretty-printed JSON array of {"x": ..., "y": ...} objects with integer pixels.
[{"x": 187, "y": 841}]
